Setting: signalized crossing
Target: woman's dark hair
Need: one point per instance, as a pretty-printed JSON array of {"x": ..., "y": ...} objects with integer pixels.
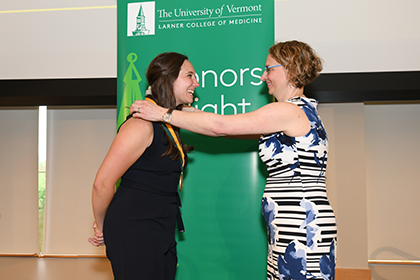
[
  {"x": 300, "y": 61},
  {"x": 161, "y": 74}
]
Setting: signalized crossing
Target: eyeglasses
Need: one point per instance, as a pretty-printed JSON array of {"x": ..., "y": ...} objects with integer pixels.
[{"x": 268, "y": 67}]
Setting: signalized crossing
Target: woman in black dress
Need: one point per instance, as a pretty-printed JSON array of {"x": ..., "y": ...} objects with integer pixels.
[{"x": 137, "y": 223}]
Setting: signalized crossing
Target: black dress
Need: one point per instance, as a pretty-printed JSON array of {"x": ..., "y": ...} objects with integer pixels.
[{"x": 139, "y": 226}]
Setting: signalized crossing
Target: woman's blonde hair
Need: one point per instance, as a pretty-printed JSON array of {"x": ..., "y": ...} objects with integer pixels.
[{"x": 300, "y": 61}]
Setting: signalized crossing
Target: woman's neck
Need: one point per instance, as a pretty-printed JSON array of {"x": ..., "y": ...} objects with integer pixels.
[{"x": 293, "y": 93}]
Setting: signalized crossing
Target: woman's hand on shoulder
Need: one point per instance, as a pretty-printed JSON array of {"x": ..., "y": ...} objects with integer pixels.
[{"x": 147, "y": 110}]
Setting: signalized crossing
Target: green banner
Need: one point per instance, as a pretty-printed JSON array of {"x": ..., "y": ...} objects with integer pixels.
[{"x": 227, "y": 43}]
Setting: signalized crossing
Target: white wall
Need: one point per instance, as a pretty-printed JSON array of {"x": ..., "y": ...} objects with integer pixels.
[
  {"x": 356, "y": 35},
  {"x": 51, "y": 39}
]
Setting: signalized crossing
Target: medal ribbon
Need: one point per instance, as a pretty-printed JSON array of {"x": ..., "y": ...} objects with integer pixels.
[{"x": 171, "y": 133}]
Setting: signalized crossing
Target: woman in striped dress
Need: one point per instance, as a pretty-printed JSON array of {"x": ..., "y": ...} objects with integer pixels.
[
  {"x": 301, "y": 223},
  {"x": 294, "y": 146}
]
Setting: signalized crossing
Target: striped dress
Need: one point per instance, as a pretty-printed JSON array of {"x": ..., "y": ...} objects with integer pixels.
[{"x": 301, "y": 225}]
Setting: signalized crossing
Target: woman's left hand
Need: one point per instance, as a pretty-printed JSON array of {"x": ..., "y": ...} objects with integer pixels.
[
  {"x": 98, "y": 239},
  {"x": 147, "y": 110}
]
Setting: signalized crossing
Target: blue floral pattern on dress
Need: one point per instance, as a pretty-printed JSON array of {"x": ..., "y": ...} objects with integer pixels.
[
  {"x": 293, "y": 265},
  {"x": 327, "y": 264},
  {"x": 268, "y": 209},
  {"x": 280, "y": 143},
  {"x": 317, "y": 128},
  {"x": 283, "y": 147},
  {"x": 317, "y": 136},
  {"x": 312, "y": 229}
]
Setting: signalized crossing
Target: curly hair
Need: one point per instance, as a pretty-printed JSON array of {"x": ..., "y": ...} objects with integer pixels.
[{"x": 300, "y": 61}]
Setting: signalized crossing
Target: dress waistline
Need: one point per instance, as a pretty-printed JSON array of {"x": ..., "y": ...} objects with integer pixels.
[{"x": 125, "y": 183}]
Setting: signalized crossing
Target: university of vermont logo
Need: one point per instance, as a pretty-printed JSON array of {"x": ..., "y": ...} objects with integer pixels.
[{"x": 141, "y": 19}]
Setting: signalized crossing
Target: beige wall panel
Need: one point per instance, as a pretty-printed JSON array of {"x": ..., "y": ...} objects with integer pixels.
[
  {"x": 19, "y": 181},
  {"x": 346, "y": 180},
  {"x": 78, "y": 140},
  {"x": 393, "y": 188}
]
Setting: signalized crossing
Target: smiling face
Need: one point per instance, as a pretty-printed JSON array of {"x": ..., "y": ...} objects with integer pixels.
[
  {"x": 185, "y": 84},
  {"x": 276, "y": 79}
]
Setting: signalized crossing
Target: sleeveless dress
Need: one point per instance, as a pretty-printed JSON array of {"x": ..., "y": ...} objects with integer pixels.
[
  {"x": 301, "y": 225},
  {"x": 139, "y": 226}
]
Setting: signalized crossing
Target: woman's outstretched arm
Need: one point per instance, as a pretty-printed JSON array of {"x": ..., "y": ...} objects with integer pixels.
[{"x": 273, "y": 117}]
